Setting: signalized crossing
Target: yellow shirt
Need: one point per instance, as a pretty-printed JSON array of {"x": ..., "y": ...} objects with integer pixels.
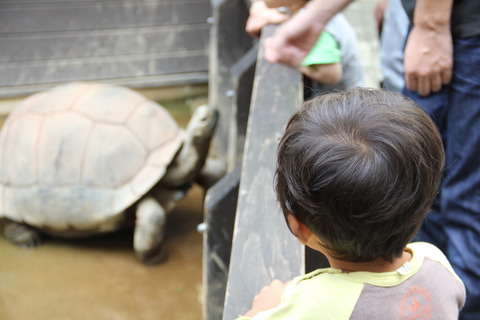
[{"x": 424, "y": 288}]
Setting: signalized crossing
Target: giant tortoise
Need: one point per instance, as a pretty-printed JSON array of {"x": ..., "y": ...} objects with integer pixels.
[{"x": 77, "y": 158}]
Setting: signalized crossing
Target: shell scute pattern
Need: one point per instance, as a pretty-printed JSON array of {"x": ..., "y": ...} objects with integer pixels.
[
  {"x": 108, "y": 103},
  {"x": 22, "y": 141},
  {"x": 60, "y": 155},
  {"x": 78, "y": 155},
  {"x": 121, "y": 157}
]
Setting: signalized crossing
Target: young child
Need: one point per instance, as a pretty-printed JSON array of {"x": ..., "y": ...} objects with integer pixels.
[
  {"x": 356, "y": 174},
  {"x": 333, "y": 63}
]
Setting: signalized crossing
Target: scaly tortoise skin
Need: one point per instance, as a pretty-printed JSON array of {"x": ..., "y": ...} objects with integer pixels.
[{"x": 76, "y": 157}]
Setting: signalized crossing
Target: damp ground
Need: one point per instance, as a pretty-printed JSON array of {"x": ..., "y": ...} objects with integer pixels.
[{"x": 100, "y": 277}]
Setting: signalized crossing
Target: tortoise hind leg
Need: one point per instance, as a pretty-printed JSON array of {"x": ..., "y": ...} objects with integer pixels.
[
  {"x": 21, "y": 234},
  {"x": 150, "y": 232}
]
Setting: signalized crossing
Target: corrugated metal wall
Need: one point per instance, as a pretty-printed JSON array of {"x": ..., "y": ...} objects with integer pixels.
[{"x": 139, "y": 43}]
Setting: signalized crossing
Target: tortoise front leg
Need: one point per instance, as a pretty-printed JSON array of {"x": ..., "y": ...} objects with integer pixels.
[
  {"x": 150, "y": 231},
  {"x": 20, "y": 234}
]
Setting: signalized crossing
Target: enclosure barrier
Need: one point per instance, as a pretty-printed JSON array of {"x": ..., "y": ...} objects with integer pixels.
[
  {"x": 247, "y": 243},
  {"x": 262, "y": 248}
]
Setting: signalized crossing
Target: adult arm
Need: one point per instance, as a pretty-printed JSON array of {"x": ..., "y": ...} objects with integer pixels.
[
  {"x": 293, "y": 39},
  {"x": 428, "y": 56}
]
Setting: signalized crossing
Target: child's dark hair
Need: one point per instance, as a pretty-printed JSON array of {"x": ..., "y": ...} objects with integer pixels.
[{"x": 360, "y": 169}]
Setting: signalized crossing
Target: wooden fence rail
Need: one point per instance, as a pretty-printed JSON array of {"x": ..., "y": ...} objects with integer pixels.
[{"x": 260, "y": 246}]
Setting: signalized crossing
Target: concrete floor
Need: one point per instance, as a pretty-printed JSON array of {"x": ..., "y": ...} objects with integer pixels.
[{"x": 100, "y": 278}]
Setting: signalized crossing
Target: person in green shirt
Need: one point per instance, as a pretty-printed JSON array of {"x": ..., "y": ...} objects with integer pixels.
[
  {"x": 357, "y": 172},
  {"x": 333, "y": 62}
]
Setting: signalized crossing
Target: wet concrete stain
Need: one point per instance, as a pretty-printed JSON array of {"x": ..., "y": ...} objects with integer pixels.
[{"x": 100, "y": 277}]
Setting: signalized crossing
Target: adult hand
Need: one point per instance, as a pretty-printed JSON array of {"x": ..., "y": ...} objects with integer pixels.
[
  {"x": 293, "y": 40},
  {"x": 260, "y": 16},
  {"x": 268, "y": 298},
  {"x": 428, "y": 59}
]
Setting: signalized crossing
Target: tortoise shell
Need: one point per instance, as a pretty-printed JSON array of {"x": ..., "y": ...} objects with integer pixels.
[{"x": 76, "y": 156}]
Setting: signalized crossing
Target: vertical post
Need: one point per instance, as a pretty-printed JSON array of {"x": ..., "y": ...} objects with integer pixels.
[
  {"x": 243, "y": 73},
  {"x": 220, "y": 207},
  {"x": 228, "y": 43}
]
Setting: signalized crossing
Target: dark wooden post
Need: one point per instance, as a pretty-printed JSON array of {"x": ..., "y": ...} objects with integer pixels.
[
  {"x": 243, "y": 73},
  {"x": 228, "y": 43},
  {"x": 220, "y": 207}
]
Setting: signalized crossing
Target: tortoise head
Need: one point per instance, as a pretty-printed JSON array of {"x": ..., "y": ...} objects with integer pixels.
[
  {"x": 203, "y": 122},
  {"x": 191, "y": 157}
]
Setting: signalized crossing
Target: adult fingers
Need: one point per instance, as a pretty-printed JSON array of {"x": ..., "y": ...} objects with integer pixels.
[
  {"x": 253, "y": 28},
  {"x": 411, "y": 82},
  {"x": 271, "y": 51},
  {"x": 282, "y": 52},
  {"x": 436, "y": 82},
  {"x": 423, "y": 86},
  {"x": 447, "y": 76}
]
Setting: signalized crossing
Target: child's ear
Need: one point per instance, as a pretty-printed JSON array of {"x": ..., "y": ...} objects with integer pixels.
[{"x": 300, "y": 230}]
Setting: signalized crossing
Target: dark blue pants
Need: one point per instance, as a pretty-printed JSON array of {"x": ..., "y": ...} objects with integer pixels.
[{"x": 454, "y": 224}]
